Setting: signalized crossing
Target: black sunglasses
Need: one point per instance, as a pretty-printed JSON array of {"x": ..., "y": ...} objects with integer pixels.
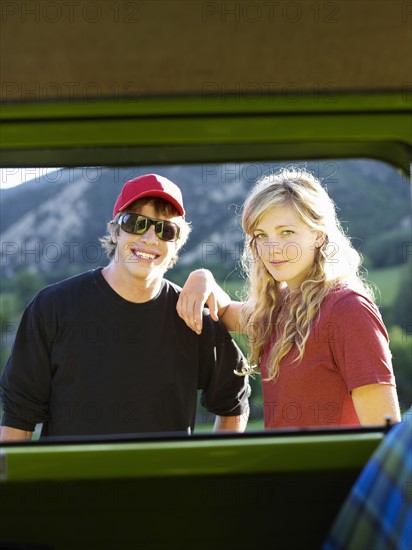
[{"x": 139, "y": 225}]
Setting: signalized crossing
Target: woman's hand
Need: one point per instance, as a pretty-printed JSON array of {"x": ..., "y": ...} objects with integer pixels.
[{"x": 199, "y": 290}]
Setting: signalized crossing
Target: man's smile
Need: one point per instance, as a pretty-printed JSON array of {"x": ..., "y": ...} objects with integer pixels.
[{"x": 144, "y": 255}]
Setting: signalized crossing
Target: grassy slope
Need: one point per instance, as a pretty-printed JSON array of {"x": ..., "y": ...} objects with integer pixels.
[{"x": 386, "y": 279}]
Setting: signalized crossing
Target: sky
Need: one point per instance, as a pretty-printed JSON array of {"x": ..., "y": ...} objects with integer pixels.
[{"x": 10, "y": 177}]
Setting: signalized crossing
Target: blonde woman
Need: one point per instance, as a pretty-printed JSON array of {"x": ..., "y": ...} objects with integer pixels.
[{"x": 315, "y": 333}]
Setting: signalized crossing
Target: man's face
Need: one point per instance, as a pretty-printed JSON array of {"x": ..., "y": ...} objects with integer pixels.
[{"x": 145, "y": 257}]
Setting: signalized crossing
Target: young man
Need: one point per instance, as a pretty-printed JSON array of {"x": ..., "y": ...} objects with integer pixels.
[{"x": 105, "y": 352}]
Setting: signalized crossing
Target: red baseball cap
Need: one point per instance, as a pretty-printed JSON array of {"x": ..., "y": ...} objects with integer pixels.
[{"x": 149, "y": 185}]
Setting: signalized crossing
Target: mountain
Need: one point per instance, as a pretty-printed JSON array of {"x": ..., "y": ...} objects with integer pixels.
[{"x": 52, "y": 224}]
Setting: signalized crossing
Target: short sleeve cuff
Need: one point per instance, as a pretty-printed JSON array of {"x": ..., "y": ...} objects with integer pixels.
[
  {"x": 13, "y": 422},
  {"x": 388, "y": 380}
]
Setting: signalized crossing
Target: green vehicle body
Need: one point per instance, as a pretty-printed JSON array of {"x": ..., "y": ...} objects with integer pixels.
[{"x": 278, "y": 489}]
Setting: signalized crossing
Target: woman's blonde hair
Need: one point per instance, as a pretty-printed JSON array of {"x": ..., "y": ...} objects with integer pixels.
[
  {"x": 269, "y": 306},
  {"x": 161, "y": 206}
]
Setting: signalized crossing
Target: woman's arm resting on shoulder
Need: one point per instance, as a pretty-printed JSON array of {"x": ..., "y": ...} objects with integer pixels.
[
  {"x": 13, "y": 434},
  {"x": 376, "y": 402},
  {"x": 230, "y": 423},
  {"x": 201, "y": 289}
]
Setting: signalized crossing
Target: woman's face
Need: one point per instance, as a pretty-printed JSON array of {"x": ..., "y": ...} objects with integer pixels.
[{"x": 286, "y": 245}]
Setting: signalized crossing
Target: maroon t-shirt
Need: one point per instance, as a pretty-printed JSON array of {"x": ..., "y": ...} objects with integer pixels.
[{"x": 347, "y": 348}]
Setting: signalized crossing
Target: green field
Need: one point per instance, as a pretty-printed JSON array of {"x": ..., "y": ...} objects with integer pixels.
[
  {"x": 384, "y": 281},
  {"x": 387, "y": 280}
]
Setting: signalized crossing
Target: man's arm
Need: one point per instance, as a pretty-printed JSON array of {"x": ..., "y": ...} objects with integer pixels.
[
  {"x": 13, "y": 434},
  {"x": 230, "y": 423},
  {"x": 223, "y": 393}
]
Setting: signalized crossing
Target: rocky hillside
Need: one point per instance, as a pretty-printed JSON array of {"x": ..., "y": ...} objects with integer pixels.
[{"x": 52, "y": 224}]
